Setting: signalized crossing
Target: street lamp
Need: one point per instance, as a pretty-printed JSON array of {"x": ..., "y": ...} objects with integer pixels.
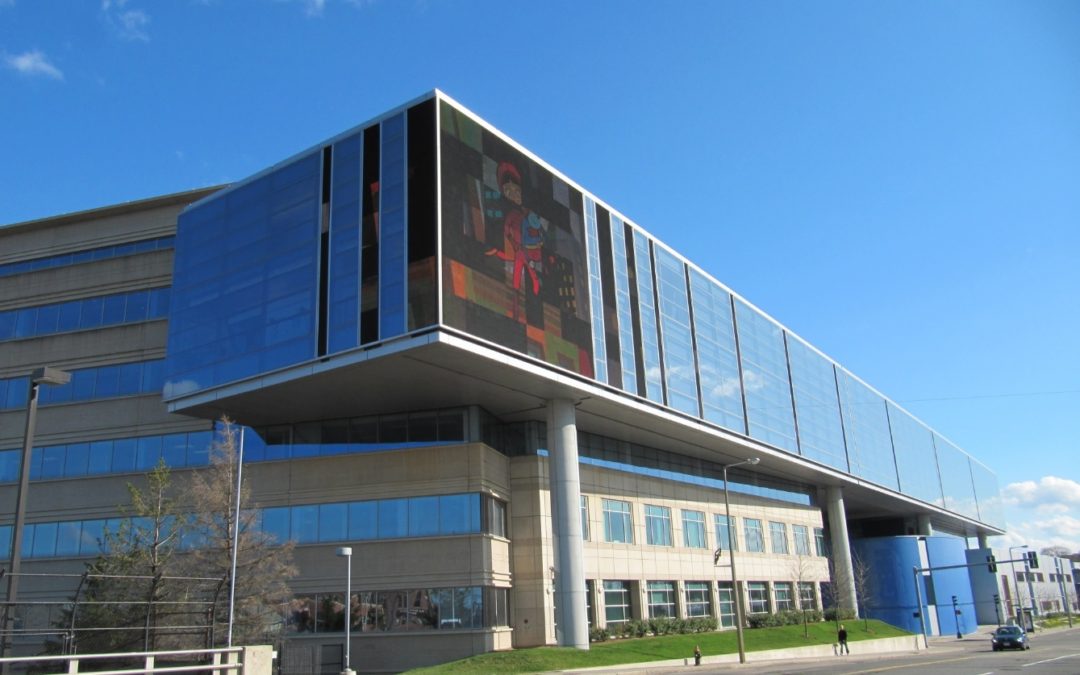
[
  {"x": 39, "y": 377},
  {"x": 1016, "y": 584},
  {"x": 346, "y": 552},
  {"x": 731, "y": 550}
]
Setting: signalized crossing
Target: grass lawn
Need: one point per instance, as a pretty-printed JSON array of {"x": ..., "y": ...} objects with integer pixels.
[{"x": 615, "y": 652}]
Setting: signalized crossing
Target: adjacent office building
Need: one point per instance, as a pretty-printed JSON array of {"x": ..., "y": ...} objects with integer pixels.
[{"x": 516, "y": 405}]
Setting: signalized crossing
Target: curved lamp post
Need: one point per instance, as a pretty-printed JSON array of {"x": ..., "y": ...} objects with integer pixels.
[{"x": 731, "y": 549}]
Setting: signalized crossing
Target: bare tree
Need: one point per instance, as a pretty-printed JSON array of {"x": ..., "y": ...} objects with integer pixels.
[
  {"x": 802, "y": 571},
  {"x": 264, "y": 566},
  {"x": 863, "y": 577},
  {"x": 1056, "y": 551}
]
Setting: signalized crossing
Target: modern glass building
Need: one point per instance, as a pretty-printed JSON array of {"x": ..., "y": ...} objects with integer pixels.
[{"x": 513, "y": 402}]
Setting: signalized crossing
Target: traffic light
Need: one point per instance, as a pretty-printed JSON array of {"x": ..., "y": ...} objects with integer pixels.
[
  {"x": 991, "y": 563},
  {"x": 1033, "y": 560}
]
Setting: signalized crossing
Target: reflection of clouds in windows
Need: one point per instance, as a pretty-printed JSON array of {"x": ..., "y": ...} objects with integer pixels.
[
  {"x": 728, "y": 387},
  {"x": 752, "y": 381}
]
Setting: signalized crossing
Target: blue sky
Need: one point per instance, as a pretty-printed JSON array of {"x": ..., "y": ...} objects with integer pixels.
[{"x": 897, "y": 182}]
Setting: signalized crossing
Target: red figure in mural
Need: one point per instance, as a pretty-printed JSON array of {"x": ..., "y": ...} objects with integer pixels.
[{"x": 522, "y": 231}]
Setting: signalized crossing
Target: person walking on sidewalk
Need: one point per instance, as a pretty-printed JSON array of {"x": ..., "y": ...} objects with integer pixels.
[{"x": 841, "y": 639}]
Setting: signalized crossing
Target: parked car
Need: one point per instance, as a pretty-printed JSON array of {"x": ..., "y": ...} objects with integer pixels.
[{"x": 1009, "y": 637}]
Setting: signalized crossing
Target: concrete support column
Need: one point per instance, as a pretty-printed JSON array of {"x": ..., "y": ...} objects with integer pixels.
[
  {"x": 844, "y": 581},
  {"x": 566, "y": 518},
  {"x": 981, "y": 538},
  {"x": 925, "y": 529}
]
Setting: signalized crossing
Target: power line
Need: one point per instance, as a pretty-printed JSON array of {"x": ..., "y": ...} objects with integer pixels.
[{"x": 1005, "y": 395}]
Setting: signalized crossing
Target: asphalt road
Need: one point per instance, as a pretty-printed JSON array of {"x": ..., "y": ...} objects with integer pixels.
[{"x": 1052, "y": 653}]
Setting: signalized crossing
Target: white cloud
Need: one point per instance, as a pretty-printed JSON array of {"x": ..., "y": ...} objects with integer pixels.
[
  {"x": 1049, "y": 490},
  {"x": 129, "y": 24},
  {"x": 32, "y": 64}
]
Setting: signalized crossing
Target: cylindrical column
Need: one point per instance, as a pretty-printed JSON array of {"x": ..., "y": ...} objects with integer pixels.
[
  {"x": 565, "y": 509},
  {"x": 926, "y": 528},
  {"x": 844, "y": 583}
]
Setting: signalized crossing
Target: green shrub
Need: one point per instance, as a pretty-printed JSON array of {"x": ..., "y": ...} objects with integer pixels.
[
  {"x": 637, "y": 628},
  {"x": 599, "y": 635},
  {"x": 763, "y": 621},
  {"x": 702, "y": 624},
  {"x": 837, "y": 614}
]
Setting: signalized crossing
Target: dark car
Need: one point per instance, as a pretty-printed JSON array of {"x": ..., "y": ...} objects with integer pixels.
[{"x": 1009, "y": 637}]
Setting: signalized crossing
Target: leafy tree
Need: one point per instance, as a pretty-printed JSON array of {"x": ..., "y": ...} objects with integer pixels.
[{"x": 127, "y": 585}]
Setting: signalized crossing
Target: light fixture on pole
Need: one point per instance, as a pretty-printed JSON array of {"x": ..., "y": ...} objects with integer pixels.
[
  {"x": 1016, "y": 585},
  {"x": 731, "y": 549},
  {"x": 40, "y": 376},
  {"x": 346, "y": 552}
]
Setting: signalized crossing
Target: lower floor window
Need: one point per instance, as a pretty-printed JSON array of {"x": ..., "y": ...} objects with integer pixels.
[
  {"x": 759, "y": 597},
  {"x": 784, "y": 600},
  {"x": 697, "y": 599},
  {"x": 616, "y": 601},
  {"x": 401, "y": 610},
  {"x": 726, "y": 604},
  {"x": 807, "y": 599},
  {"x": 661, "y": 599}
]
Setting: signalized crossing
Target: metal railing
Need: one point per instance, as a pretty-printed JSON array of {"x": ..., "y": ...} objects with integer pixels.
[{"x": 255, "y": 660}]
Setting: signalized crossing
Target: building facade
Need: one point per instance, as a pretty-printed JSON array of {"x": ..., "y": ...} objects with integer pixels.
[{"x": 516, "y": 405}]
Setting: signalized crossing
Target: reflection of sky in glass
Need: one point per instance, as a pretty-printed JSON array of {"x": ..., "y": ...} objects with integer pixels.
[
  {"x": 916, "y": 461},
  {"x": 866, "y": 427},
  {"x": 622, "y": 301},
  {"x": 650, "y": 341},
  {"x": 956, "y": 478},
  {"x": 821, "y": 433},
  {"x": 987, "y": 495},
  {"x": 596, "y": 302},
  {"x": 718, "y": 365},
  {"x": 680, "y": 372},
  {"x": 769, "y": 411}
]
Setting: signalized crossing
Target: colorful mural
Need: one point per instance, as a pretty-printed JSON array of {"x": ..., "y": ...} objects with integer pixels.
[{"x": 513, "y": 242}]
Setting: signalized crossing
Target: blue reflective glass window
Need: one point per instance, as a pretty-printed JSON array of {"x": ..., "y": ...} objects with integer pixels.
[
  {"x": 770, "y": 412},
  {"x": 174, "y": 450},
  {"x": 125, "y": 451},
  {"x": 916, "y": 461},
  {"x": 459, "y": 514},
  {"x": 25, "y": 320},
  {"x": 392, "y": 228},
  {"x": 5, "y": 542},
  {"x": 275, "y": 522},
  {"x": 90, "y": 313},
  {"x": 987, "y": 495},
  {"x": 304, "y": 523},
  {"x": 152, "y": 376},
  {"x": 35, "y": 463},
  {"x": 148, "y": 453},
  {"x": 69, "y": 316},
  {"x": 866, "y": 427},
  {"x": 199, "y": 446},
  {"x": 82, "y": 384},
  {"x": 675, "y": 333},
  {"x": 44, "y": 540},
  {"x": 363, "y": 520},
  {"x": 596, "y": 299},
  {"x": 47, "y": 318},
  {"x": 52, "y": 462},
  {"x": 28, "y": 541},
  {"x": 423, "y": 516},
  {"x": 112, "y": 310},
  {"x": 393, "y": 518},
  {"x": 956, "y": 482},
  {"x": 129, "y": 379},
  {"x": 68, "y": 538},
  {"x": 77, "y": 459},
  {"x": 107, "y": 381},
  {"x": 718, "y": 363},
  {"x": 18, "y": 389},
  {"x": 91, "y": 537},
  {"x": 627, "y": 355},
  {"x": 821, "y": 431},
  {"x": 333, "y": 522},
  {"x": 100, "y": 458},
  {"x": 136, "y": 306},
  {"x": 9, "y": 465},
  {"x": 7, "y": 325},
  {"x": 159, "y": 303}
]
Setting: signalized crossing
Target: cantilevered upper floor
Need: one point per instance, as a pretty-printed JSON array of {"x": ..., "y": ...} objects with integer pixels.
[{"x": 425, "y": 260}]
